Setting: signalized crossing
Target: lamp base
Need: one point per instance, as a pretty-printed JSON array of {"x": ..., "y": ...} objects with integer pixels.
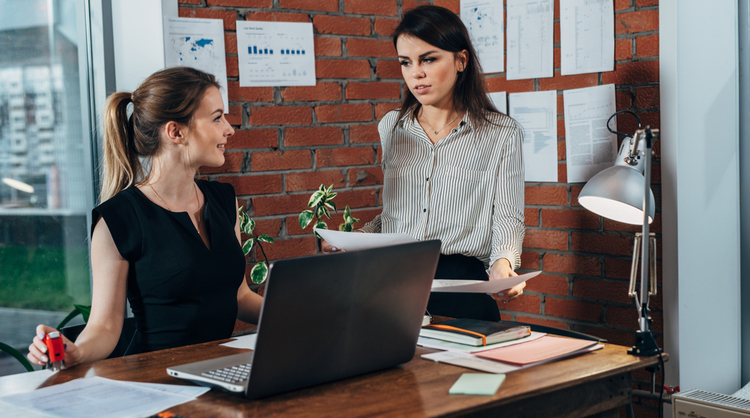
[{"x": 644, "y": 345}]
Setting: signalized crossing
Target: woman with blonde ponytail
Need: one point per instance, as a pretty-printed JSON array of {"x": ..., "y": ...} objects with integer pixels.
[{"x": 162, "y": 240}]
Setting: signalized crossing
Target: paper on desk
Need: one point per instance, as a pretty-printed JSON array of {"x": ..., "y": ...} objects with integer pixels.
[
  {"x": 547, "y": 348},
  {"x": 188, "y": 391},
  {"x": 449, "y": 345},
  {"x": 245, "y": 341},
  {"x": 477, "y": 384},
  {"x": 95, "y": 397},
  {"x": 481, "y": 286},
  {"x": 470, "y": 361},
  {"x": 10, "y": 410},
  {"x": 352, "y": 241}
]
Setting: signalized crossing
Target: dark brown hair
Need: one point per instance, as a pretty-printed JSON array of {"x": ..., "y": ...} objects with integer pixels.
[
  {"x": 169, "y": 95},
  {"x": 441, "y": 28}
]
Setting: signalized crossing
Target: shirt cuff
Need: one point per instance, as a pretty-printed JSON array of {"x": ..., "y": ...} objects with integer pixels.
[{"x": 508, "y": 255}]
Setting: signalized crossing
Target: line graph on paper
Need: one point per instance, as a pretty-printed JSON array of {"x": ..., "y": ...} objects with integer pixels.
[{"x": 588, "y": 111}]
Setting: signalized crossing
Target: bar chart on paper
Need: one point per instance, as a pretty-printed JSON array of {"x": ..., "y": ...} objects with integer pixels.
[{"x": 275, "y": 54}]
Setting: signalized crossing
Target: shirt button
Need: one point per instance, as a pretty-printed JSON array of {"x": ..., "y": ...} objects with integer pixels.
[
  {"x": 424, "y": 210},
  {"x": 427, "y": 179},
  {"x": 454, "y": 131}
]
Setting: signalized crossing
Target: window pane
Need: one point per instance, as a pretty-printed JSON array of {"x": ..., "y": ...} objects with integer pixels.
[{"x": 45, "y": 167}]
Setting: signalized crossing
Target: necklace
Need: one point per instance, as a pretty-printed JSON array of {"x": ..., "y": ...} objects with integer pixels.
[
  {"x": 195, "y": 189},
  {"x": 441, "y": 129}
]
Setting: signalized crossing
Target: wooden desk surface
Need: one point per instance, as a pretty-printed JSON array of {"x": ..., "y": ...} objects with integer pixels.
[{"x": 592, "y": 383}]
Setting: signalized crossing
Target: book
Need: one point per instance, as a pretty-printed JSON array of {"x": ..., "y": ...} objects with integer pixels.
[{"x": 474, "y": 331}]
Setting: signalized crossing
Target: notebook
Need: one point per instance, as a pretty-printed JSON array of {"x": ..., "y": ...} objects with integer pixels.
[{"x": 329, "y": 317}]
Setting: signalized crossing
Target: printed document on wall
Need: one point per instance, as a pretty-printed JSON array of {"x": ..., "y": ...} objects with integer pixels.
[
  {"x": 500, "y": 100},
  {"x": 537, "y": 114},
  {"x": 530, "y": 39},
  {"x": 589, "y": 146},
  {"x": 587, "y": 36},
  {"x": 275, "y": 54},
  {"x": 484, "y": 20},
  {"x": 197, "y": 43}
]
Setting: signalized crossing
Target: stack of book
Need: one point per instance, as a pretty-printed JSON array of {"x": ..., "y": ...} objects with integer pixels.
[{"x": 474, "y": 332}]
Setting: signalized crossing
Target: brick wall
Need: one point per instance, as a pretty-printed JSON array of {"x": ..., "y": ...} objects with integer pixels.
[{"x": 289, "y": 140}]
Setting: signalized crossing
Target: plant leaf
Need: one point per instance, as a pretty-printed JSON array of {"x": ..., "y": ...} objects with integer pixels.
[
  {"x": 346, "y": 227},
  {"x": 322, "y": 188},
  {"x": 321, "y": 225},
  {"x": 331, "y": 205},
  {"x": 326, "y": 212},
  {"x": 17, "y": 355},
  {"x": 85, "y": 311},
  {"x": 328, "y": 192},
  {"x": 252, "y": 226},
  {"x": 248, "y": 246},
  {"x": 266, "y": 238},
  {"x": 305, "y": 218},
  {"x": 332, "y": 195},
  {"x": 316, "y": 199},
  {"x": 258, "y": 273}
]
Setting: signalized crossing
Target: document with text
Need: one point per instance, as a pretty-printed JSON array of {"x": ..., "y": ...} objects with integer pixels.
[
  {"x": 500, "y": 100},
  {"x": 530, "y": 39},
  {"x": 587, "y": 36},
  {"x": 589, "y": 146},
  {"x": 481, "y": 286},
  {"x": 484, "y": 20},
  {"x": 537, "y": 113}
]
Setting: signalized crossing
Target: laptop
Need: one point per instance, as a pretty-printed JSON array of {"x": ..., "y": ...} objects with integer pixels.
[{"x": 329, "y": 317}]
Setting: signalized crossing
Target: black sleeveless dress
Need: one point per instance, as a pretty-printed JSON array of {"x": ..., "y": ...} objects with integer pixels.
[{"x": 180, "y": 291}]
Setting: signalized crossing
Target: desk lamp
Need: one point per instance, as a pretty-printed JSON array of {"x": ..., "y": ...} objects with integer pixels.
[{"x": 622, "y": 193}]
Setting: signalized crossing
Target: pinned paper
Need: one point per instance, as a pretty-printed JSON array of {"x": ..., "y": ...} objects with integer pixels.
[{"x": 477, "y": 384}]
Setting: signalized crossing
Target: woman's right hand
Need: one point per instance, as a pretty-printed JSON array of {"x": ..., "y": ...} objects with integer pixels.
[
  {"x": 38, "y": 349},
  {"x": 328, "y": 248}
]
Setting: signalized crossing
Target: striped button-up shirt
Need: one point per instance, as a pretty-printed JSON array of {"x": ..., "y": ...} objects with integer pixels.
[{"x": 467, "y": 190}]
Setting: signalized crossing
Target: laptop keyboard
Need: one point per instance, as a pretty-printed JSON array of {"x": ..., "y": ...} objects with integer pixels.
[{"x": 233, "y": 374}]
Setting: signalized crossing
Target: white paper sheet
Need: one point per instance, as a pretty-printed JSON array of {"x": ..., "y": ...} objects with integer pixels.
[
  {"x": 245, "y": 341},
  {"x": 537, "y": 113},
  {"x": 352, "y": 241},
  {"x": 275, "y": 54},
  {"x": 470, "y": 361},
  {"x": 481, "y": 286},
  {"x": 451, "y": 346},
  {"x": 96, "y": 397},
  {"x": 530, "y": 39},
  {"x": 589, "y": 146},
  {"x": 188, "y": 391},
  {"x": 197, "y": 43},
  {"x": 587, "y": 36},
  {"x": 500, "y": 100},
  {"x": 484, "y": 20}
]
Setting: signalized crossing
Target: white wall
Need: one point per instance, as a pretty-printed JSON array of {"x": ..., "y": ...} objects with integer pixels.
[
  {"x": 744, "y": 36},
  {"x": 700, "y": 201}
]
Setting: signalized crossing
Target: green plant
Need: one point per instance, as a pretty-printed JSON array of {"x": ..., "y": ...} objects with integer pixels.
[
  {"x": 322, "y": 203},
  {"x": 259, "y": 272},
  {"x": 17, "y": 355}
]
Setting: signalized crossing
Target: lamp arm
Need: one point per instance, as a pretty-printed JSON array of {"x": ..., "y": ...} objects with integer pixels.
[{"x": 645, "y": 245}]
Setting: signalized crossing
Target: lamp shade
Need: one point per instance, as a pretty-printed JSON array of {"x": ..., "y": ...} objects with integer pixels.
[{"x": 617, "y": 193}]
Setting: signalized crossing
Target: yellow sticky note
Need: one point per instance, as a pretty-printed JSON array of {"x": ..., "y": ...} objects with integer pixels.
[{"x": 477, "y": 384}]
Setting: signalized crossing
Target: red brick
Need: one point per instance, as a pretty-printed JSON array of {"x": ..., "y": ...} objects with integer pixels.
[
  {"x": 546, "y": 195},
  {"x": 341, "y": 25},
  {"x": 543, "y": 321},
  {"x": 319, "y": 92},
  {"x": 615, "y": 268},
  {"x": 270, "y": 227},
  {"x": 602, "y": 243},
  {"x": 280, "y": 160},
  {"x": 560, "y": 148},
  {"x": 292, "y": 247},
  {"x": 613, "y": 336},
  {"x": 311, "y": 180},
  {"x": 381, "y": 109},
  {"x": 452, "y": 5},
  {"x": 627, "y": 123},
  {"x": 569, "y": 219},
  {"x": 370, "y": 7},
  {"x": 602, "y": 290},
  {"x": 363, "y": 134},
  {"x": 548, "y": 284},
  {"x": 379, "y": 153},
  {"x": 342, "y": 68},
  {"x": 189, "y": 2},
  {"x": 571, "y": 264},
  {"x": 531, "y": 216},
  {"x": 388, "y": 69},
  {"x": 530, "y": 260},
  {"x": 373, "y": 90},
  {"x": 232, "y": 67},
  {"x": 365, "y": 176},
  {"x": 560, "y": 106},
  {"x": 623, "y": 49},
  {"x": 254, "y": 138},
  {"x": 280, "y": 115},
  {"x": 232, "y": 164},
  {"x": 230, "y": 43},
  {"x": 556, "y": 7},
  {"x": 512, "y": 86},
  {"x": 280, "y": 204},
  {"x": 547, "y": 239},
  {"x": 562, "y": 173},
  {"x": 327, "y": 47},
  {"x": 564, "y": 82},
  {"x": 277, "y": 17},
  {"x": 314, "y": 135},
  {"x": 321, "y": 5},
  {"x": 249, "y": 94},
  {"x": 647, "y": 97},
  {"x": 561, "y": 134},
  {"x": 524, "y": 303},
  {"x": 385, "y": 26},
  {"x": 241, "y": 3},
  {"x": 356, "y": 47},
  {"x": 412, "y": 4},
  {"x": 655, "y": 226},
  {"x": 258, "y": 184},
  {"x": 573, "y": 309},
  {"x": 234, "y": 117},
  {"x": 574, "y": 192},
  {"x": 556, "y": 58},
  {"x": 646, "y": 3},
  {"x": 622, "y": 317},
  {"x": 623, "y": 100},
  {"x": 647, "y": 46},
  {"x": 360, "y": 112},
  {"x": 229, "y": 18},
  {"x": 556, "y": 32},
  {"x": 358, "y": 198},
  {"x": 337, "y": 157},
  {"x": 632, "y": 73},
  {"x": 622, "y": 5},
  {"x": 634, "y": 22}
]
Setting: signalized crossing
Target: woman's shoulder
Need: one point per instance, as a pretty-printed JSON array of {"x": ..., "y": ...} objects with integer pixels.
[
  {"x": 389, "y": 120},
  {"x": 217, "y": 187},
  {"x": 120, "y": 202},
  {"x": 500, "y": 120}
]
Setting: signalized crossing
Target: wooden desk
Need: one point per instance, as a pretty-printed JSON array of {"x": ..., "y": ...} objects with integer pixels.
[{"x": 595, "y": 384}]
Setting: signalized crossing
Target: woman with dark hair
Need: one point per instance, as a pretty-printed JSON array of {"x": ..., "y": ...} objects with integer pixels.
[
  {"x": 162, "y": 240},
  {"x": 452, "y": 163}
]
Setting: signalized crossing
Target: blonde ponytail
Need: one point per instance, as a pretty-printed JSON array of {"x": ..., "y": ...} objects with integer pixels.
[{"x": 121, "y": 166}]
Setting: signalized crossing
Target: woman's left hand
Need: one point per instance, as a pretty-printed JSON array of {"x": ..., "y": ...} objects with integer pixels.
[{"x": 500, "y": 270}]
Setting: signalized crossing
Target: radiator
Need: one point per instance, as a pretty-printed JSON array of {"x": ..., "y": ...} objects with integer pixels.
[{"x": 696, "y": 403}]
